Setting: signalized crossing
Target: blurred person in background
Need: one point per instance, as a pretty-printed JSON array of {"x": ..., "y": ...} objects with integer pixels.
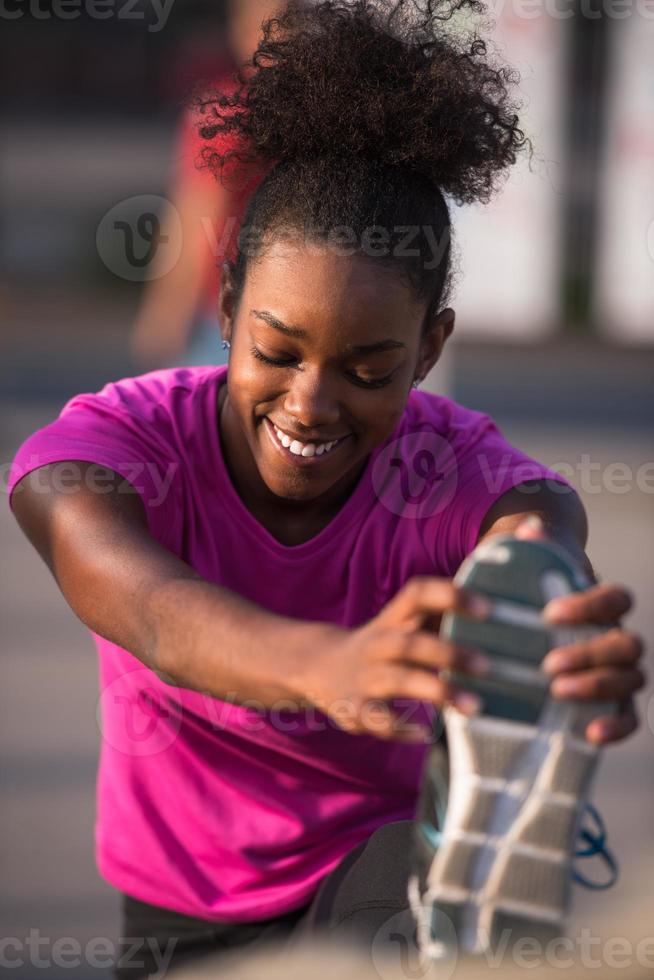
[{"x": 177, "y": 320}]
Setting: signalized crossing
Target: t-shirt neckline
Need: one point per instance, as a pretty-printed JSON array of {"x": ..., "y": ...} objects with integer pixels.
[{"x": 349, "y": 512}]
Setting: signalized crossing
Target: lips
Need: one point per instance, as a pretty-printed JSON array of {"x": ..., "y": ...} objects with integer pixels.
[
  {"x": 317, "y": 440},
  {"x": 301, "y": 451}
]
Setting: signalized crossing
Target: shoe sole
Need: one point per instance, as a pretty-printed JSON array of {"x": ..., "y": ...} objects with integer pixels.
[{"x": 519, "y": 773}]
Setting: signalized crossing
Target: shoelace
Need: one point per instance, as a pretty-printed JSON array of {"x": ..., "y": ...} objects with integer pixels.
[{"x": 595, "y": 846}]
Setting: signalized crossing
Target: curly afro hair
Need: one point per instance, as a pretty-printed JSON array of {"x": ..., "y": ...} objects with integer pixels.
[{"x": 363, "y": 114}]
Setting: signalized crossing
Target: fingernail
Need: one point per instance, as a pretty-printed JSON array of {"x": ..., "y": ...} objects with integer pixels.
[
  {"x": 468, "y": 703},
  {"x": 597, "y": 732},
  {"x": 557, "y": 663},
  {"x": 555, "y": 611},
  {"x": 565, "y": 687},
  {"x": 479, "y": 606}
]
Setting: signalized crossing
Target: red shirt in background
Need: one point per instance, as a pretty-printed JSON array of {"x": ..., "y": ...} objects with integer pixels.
[{"x": 220, "y": 234}]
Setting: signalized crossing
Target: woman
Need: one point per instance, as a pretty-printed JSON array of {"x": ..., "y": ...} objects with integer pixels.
[{"x": 263, "y": 550}]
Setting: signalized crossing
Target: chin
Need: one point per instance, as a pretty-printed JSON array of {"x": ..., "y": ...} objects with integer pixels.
[
  {"x": 293, "y": 486},
  {"x": 288, "y": 490}
]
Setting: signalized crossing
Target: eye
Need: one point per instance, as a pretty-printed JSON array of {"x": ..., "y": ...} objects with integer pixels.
[
  {"x": 269, "y": 360},
  {"x": 372, "y": 383},
  {"x": 362, "y": 382}
]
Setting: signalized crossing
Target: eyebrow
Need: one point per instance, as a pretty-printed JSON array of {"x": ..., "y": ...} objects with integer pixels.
[{"x": 277, "y": 324}]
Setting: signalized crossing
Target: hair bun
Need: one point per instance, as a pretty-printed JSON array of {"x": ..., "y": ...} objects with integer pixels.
[{"x": 389, "y": 81}]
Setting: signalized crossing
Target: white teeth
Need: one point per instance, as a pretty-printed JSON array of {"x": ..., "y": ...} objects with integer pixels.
[{"x": 303, "y": 449}]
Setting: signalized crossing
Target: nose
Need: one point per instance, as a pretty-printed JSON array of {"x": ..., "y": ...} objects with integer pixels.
[{"x": 312, "y": 400}]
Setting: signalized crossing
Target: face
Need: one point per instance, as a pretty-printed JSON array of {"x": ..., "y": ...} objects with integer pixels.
[{"x": 324, "y": 348}]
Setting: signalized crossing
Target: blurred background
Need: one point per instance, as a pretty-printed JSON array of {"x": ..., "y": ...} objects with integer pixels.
[{"x": 555, "y": 339}]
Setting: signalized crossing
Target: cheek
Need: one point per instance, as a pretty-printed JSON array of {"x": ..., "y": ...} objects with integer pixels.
[{"x": 249, "y": 384}]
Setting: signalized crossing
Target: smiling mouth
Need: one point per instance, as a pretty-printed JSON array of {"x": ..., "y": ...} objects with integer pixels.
[{"x": 302, "y": 452}]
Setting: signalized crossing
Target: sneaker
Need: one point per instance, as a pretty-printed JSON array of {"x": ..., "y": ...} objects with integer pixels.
[{"x": 496, "y": 834}]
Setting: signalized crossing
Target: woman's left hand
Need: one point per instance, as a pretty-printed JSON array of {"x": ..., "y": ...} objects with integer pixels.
[{"x": 602, "y": 668}]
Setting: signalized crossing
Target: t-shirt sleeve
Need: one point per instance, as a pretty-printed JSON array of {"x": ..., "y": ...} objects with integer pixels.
[
  {"x": 104, "y": 428},
  {"x": 486, "y": 466}
]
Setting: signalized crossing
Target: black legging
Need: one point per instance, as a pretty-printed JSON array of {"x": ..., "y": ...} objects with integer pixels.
[{"x": 363, "y": 900}]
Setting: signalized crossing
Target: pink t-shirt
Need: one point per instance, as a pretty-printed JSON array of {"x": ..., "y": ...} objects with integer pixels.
[{"x": 226, "y": 812}]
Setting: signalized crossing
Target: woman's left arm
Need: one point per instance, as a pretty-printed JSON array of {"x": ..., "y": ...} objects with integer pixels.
[{"x": 604, "y": 668}]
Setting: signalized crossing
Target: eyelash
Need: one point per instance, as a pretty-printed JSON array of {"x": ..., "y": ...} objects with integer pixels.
[{"x": 378, "y": 383}]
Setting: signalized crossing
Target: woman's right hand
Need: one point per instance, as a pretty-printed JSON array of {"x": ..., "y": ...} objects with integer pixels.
[{"x": 354, "y": 675}]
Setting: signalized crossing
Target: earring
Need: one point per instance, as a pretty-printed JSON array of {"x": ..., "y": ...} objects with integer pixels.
[
  {"x": 414, "y": 384},
  {"x": 226, "y": 345}
]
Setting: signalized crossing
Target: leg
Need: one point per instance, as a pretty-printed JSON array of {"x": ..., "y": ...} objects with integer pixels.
[
  {"x": 364, "y": 899},
  {"x": 153, "y": 938}
]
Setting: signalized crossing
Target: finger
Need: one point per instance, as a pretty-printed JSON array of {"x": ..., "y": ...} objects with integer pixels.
[
  {"x": 392, "y": 681},
  {"x": 378, "y": 718},
  {"x": 598, "y": 684},
  {"x": 425, "y": 650},
  {"x": 427, "y": 596},
  {"x": 531, "y": 529},
  {"x": 613, "y": 728},
  {"x": 599, "y": 604},
  {"x": 617, "y": 646}
]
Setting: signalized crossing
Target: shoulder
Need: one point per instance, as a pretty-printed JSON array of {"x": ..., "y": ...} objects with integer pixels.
[
  {"x": 153, "y": 398},
  {"x": 471, "y": 464},
  {"x": 460, "y": 427}
]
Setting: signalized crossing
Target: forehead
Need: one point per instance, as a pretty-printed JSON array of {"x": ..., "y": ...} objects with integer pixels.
[{"x": 320, "y": 288}]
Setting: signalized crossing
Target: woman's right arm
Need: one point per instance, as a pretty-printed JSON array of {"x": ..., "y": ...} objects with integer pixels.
[{"x": 128, "y": 588}]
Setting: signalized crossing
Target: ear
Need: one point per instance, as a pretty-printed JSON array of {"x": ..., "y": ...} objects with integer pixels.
[
  {"x": 227, "y": 303},
  {"x": 434, "y": 338}
]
